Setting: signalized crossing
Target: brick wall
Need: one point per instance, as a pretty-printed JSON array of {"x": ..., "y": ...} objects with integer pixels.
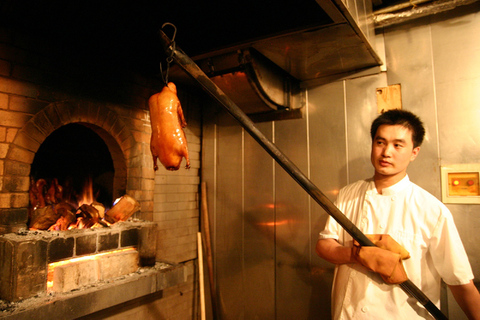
[
  {"x": 41, "y": 91},
  {"x": 176, "y": 199}
]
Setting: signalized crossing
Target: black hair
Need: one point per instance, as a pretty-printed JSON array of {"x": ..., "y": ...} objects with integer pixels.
[{"x": 404, "y": 118}]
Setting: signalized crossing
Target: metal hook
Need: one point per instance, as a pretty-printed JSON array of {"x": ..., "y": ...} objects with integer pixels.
[
  {"x": 174, "y": 29},
  {"x": 170, "y": 58}
]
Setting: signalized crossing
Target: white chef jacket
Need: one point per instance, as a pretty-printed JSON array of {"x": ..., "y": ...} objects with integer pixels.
[{"x": 421, "y": 224}]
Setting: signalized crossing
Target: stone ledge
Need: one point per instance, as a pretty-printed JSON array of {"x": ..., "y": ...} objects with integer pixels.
[{"x": 83, "y": 302}]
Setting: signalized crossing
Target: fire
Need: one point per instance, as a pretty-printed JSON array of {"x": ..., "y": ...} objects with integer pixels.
[
  {"x": 51, "y": 208},
  {"x": 87, "y": 196},
  {"x": 53, "y": 265}
]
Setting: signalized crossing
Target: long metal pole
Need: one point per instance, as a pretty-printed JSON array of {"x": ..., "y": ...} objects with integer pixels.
[{"x": 194, "y": 70}]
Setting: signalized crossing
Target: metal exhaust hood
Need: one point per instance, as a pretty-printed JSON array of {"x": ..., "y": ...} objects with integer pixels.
[
  {"x": 265, "y": 74},
  {"x": 252, "y": 81}
]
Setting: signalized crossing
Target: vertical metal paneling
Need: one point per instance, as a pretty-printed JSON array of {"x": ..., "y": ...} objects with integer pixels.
[
  {"x": 328, "y": 152},
  {"x": 229, "y": 219},
  {"x": 259, "y": 235},
  {"x": 457, "y": 82},
  {"x": 328, "y": 167},
  {"x": 292, "y": 225}
]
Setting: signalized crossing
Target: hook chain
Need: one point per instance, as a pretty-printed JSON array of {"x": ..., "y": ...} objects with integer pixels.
[{"x": 170, "y": 58}]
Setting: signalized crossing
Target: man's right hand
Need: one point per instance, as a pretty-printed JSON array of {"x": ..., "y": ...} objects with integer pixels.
[{"x": 385, "y": 258}]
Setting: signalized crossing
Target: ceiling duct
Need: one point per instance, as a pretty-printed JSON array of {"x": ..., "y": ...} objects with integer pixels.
[
  {"x": 410, "y": 10},
  {"x": 252, "y": 81}
]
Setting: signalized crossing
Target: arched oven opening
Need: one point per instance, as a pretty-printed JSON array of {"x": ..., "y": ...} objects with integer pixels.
[
  {"x": 75, "y": 155},
  {"x": 72, "y": 180}
]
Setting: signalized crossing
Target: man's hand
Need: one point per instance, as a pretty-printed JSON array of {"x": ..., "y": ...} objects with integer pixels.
[
  {"x": 386, "y": 242},
  {"x": 385, "y": 258}
]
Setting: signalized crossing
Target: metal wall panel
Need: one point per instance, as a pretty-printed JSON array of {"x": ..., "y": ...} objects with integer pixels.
[
  {"x": 328, "y": 169},
  {"x": 457, "y": 81},
  {"x": 292, "y": 232},
  {"x": 260, "y": 227},
  {"x": 229, "y": 220}
]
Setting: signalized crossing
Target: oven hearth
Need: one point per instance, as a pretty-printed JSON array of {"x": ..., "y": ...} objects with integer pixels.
[{"x": 26, "y": 255}]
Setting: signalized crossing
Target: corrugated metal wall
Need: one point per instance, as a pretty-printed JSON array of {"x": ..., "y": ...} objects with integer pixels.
[{"x": 264, "y": 226}]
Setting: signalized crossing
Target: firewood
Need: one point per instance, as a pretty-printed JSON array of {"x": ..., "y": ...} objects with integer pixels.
[
  {"x": 68, "y": 216},
  {"x": 40, "y": 184},
  {"x": 58, "y": 191},
  {"x": 88, "y": 212},
  {"x": 44, "y": 218},
  {"x": 100, "y": 208},
  {"x": 122, "y": 210},
  {"x": 50, "y": 194}
]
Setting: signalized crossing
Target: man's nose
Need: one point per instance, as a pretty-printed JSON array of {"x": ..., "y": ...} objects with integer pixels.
[{"x": 387, "y": 150}]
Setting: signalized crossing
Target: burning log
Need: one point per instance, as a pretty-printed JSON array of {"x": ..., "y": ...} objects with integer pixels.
[
  {"x": 36, "y": 193},
  {"x": 50, "y": 211},
  {"x": 42, "y": 193},
  {"x": 125, "y": 207},
  {"x": 100, "y": 208},
  {"x": 48, "y": 216},
  {"x": 67, "y": 216},
  {"x": 43, "y": 218},
  {"x": 54, "y": 192},
  {"x": 88, "y": 214}
]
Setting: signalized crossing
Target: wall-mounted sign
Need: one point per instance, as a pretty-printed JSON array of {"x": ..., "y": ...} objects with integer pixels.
[{"x": 460, "y": 183}]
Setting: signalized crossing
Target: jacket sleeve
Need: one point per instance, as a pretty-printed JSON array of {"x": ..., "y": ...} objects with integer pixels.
[{"x": 447, "y": 251}]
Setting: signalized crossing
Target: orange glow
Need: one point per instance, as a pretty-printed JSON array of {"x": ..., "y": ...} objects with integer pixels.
[
  {"x": 87, "y": 196},
  {"x": 273, "y": 223},
  {"x": 53, "y": 265}
]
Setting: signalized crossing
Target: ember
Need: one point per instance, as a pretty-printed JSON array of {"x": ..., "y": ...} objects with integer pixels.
[{"x": 52, "y": 208}]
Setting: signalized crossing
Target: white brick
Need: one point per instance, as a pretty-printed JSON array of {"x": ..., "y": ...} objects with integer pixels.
[
  {"x": 116, "y": 265},
  {"x": 75, "y": 275}
]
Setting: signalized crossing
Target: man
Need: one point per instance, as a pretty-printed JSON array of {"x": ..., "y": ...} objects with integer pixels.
[{"x": 390, "y": 204}]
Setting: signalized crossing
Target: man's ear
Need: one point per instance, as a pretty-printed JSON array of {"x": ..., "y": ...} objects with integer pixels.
[{"x": 415, "y": 152}]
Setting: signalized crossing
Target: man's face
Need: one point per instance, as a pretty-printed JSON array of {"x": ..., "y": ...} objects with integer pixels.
[{"x": 392, "y": 152}]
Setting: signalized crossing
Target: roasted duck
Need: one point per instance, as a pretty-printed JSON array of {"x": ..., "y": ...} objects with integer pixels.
[{"x": 168, "y": 142}]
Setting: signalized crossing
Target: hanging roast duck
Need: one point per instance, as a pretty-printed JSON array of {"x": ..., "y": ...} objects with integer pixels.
[{"x": 168, "y": 142}]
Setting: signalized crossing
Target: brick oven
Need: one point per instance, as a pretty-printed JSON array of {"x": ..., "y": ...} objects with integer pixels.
[{"x": 41, "y": 93}]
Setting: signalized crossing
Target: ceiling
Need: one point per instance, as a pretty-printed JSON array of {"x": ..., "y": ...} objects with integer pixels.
[
  {"x": 107, "y": 35},
  {"x": 127, "y": 33}
]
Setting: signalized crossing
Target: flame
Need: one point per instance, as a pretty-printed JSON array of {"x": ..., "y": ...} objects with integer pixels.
[
  {"x": 87, "y": 196},
  {"x": 53, "y": 265}
]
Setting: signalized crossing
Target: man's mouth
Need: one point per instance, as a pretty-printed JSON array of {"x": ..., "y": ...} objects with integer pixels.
[{"x": 384, "y": 163}]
